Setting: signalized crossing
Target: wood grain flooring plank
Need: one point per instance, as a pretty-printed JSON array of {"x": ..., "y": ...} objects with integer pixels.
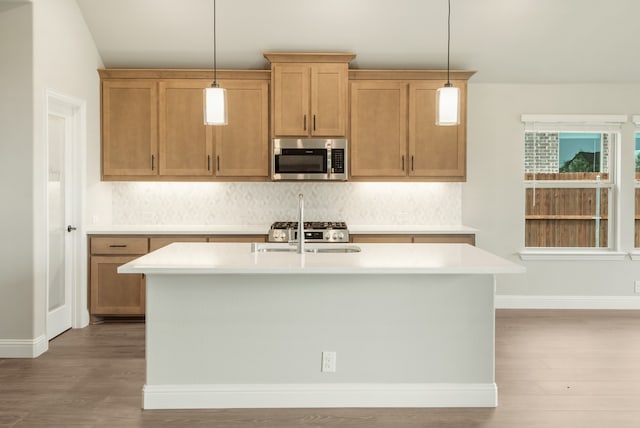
[{"x": 553, "y": 369}]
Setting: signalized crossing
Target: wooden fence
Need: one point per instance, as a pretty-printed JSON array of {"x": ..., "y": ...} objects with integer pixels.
[{"x": 565, "y": 217}]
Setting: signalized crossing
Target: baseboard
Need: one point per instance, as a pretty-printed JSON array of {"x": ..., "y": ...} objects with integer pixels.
[
  {"x": 23, "y": 348},
  {"x": 567, "y": 302},
  {"x": 320, "y": 395}
]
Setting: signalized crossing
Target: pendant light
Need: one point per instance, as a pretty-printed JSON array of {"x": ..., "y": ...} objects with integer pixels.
[
  {"x": 215, "y": 97},
  {"x": 448, "y": 98}
]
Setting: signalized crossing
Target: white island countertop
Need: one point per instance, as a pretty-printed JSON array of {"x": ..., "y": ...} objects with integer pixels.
[{"x": 238, "y": 258}]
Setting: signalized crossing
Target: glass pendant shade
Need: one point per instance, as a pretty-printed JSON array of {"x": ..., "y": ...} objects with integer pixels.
[
  {"x": 215, "y": 106},
  {"x": 448, "y": 106}
]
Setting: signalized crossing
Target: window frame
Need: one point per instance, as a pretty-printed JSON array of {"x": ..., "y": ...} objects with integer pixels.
[
  {"x": 635, "y": 253},
  {"x": 611, "y": 124}
]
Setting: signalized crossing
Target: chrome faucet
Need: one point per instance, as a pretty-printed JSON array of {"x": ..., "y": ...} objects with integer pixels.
[{"x": 300, "y": 249}]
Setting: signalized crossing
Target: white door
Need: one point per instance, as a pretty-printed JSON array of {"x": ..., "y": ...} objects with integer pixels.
[{"x": 60, "y": 227}]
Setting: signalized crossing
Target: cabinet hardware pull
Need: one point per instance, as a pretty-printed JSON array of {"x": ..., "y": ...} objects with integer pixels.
[
  {"x": 71, "y": 228},
  {"x": 118, "y": 246},
  {"x": 218, "y": 161},
  {"x": 208, "y": 162},
  {"x": 314, "y": 122},
  {"x": 403, "y": 162},
  {"x": 412, "y": 163},
  {"x": 305, "y": 122},
  {"x": 153, "y": 162}
]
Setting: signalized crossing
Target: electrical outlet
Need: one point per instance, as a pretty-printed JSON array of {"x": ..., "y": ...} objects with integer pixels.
[
  {"x": 328, "y": 361},
  {"x": 636, "y": 287}
]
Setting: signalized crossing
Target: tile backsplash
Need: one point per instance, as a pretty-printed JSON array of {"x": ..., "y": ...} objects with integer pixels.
[{"x": 145, "y": 203}]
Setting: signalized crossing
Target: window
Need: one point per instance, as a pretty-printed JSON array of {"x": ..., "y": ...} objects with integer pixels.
[{"x": 569, "y": 182}]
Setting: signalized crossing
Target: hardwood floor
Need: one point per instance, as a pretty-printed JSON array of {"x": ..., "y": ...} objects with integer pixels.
[{"x": 553, "y": 369}]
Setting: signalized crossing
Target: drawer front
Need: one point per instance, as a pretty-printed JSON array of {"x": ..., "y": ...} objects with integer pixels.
[
  {"x": 119, "y": 245},
  {"x": 238, "y": 238},
  {"x": 159, "y": 242},
  {"x": 381, "y": 239},
  {"x": 446, "y": 239}
]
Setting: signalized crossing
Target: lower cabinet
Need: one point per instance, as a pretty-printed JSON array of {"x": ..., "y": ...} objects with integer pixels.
[
  {"x": 163, "y": 241},
  {"x": 113, "y": 295},
  {"x": 110, "y": 293},
  {"x": 238, "y": 238},
  {"x": 448, "y": 238}
]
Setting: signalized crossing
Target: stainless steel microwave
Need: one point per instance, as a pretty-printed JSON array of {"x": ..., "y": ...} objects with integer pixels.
[{"x": 309, "y": 159}]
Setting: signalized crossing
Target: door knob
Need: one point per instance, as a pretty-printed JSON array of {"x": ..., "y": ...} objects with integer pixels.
[{"x": 71, "y": 228}]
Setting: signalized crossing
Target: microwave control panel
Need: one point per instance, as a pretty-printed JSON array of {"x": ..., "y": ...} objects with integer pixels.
[{"x": 337, "y": 161}]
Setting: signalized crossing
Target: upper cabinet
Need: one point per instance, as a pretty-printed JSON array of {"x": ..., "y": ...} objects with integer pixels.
[
  {"x": 435, "y": 151},
  {"x": 185, "y": 142},
  {"x": 309, "y": 94},
  {"x": 393, "y": 133},
  {"x": 129, "y": 128},
  {"x": 378, "y": 129},
  {"x": 153, "y": 126},
  {"x": 242, "y": 146}
]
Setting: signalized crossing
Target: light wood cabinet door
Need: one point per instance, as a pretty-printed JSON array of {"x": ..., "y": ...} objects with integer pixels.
[
  {"x": 113, "y": 293},
  {"x": 129, "y": 128},
  {"x": 310, "y": 100},
  {"x": 329, "y": 104},
  {"x": 242, "y": 146},
  {"x": 291, "y": 99},
  {"x": 436, "y": 152},
  {"x": 185, "y": 142},
  {"x": 378, "y": 129}
]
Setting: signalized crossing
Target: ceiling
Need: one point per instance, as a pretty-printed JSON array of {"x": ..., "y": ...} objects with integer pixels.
[{"x": 506, "y": 41}]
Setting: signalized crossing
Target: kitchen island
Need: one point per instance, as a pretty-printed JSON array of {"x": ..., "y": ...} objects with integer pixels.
[{"x": 240, "y": 325}]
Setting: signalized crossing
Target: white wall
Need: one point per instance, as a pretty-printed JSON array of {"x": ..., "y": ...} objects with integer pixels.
[
  {"x": 44, "y": 45},
  {"x": 16, "y": 173},
  {"x": 66, "y": 62},
  {"x": 493, "y": 197}
]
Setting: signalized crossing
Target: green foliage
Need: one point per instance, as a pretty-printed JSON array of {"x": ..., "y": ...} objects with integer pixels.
[
  {"x": 638, "y": 163},
  {"x": 582, "y": 162}
]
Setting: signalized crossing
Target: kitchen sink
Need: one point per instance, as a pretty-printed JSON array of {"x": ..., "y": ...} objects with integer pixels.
[{"x": 257, "y": 247}]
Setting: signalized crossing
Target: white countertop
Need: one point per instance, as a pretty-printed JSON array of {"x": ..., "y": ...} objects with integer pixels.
[
  {"x": 237, "y": 258},
  {"x": 264, "y": 229}
]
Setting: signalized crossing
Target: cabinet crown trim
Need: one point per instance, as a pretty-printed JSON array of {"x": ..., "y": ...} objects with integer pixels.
[
  {"x": 390, "y": 74},
  {"x": 309, "y": 56},
  {"x": 182, "y": 73}
]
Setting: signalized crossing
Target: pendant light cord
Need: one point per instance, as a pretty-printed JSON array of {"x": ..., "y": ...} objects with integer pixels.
[
  {"x": 448, "y": 41},
  {"x": 215, "y": 68}
]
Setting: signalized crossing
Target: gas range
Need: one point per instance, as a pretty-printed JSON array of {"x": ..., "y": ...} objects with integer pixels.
[{"x": 314, "y": 231}]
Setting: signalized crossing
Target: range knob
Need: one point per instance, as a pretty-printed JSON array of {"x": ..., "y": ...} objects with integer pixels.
[{"x": 340, "y": 235}]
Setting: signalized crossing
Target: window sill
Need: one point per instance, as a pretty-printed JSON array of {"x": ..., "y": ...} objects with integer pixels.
[
  {"x": 635, "y": 254},
  {"x": 572, "y": 254}
]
